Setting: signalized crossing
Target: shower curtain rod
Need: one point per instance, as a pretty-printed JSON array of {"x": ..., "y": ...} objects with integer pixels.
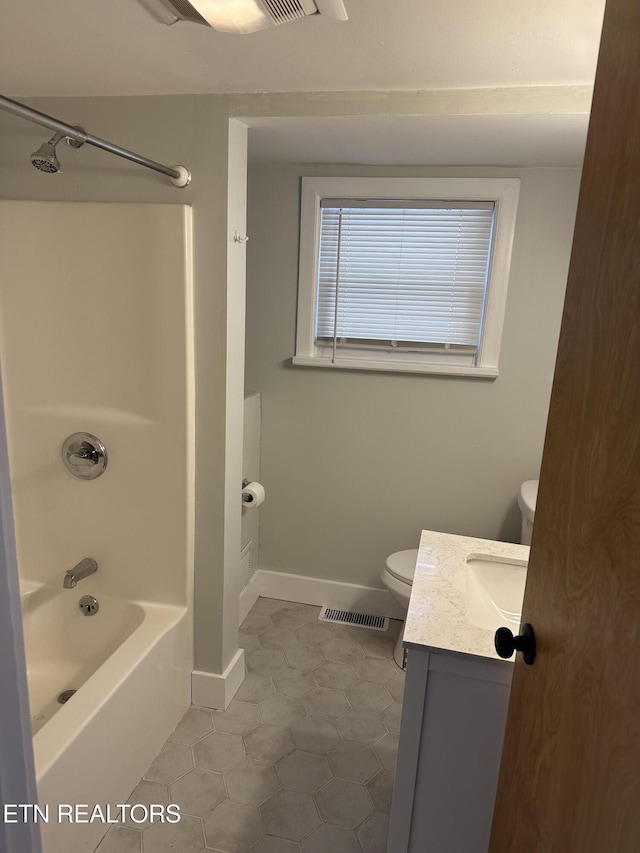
[{"x": 180, "y": 175}]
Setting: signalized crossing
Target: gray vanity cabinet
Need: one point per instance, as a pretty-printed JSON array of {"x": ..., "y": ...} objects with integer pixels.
[{"x": 453, "y": 721}]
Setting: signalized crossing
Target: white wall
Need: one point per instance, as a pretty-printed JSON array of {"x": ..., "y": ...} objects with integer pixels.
[
  {"x": 96, "y": 336},
  {"x": 251, "y": 472},
  {"x": 357, "y": 463}
]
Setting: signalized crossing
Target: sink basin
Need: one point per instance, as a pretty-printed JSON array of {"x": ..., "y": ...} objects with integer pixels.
[{"x": 495, "y": 589}]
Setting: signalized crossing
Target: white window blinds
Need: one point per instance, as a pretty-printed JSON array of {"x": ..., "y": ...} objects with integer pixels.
[{"x": 403, "y": 274}]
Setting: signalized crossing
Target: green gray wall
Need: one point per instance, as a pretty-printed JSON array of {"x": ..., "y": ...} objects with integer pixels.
[{"x": 355, "y": 464}]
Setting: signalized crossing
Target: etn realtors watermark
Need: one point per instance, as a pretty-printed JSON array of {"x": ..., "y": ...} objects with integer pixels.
[{"x": 84, "y": 813}]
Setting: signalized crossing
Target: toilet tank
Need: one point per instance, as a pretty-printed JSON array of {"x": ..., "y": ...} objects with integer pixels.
[{"x": 527, "y": 503}]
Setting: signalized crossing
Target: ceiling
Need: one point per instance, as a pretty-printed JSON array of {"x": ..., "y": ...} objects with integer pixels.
[
  {"x": 470, "y": 140},
  {"x": 94, "y": 47}
]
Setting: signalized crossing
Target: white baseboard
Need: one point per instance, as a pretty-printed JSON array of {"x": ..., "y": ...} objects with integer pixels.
[
  {"x": 343, "y": 596},
  {"x": 210, "y": 690},
  {"x": 249, "y": 596}
]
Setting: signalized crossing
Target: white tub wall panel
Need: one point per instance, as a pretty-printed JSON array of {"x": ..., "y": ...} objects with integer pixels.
[{"x": 95, "y": 337}]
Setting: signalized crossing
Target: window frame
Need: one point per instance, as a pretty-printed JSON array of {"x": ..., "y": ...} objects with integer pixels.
[{"x": 503, "y": 192}]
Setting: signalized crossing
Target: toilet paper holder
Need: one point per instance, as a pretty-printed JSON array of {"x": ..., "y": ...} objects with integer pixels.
[{"x": 254, "y": 496}]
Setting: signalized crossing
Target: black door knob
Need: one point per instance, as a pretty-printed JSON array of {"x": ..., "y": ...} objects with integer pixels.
[{"x": 506, "y": 644}]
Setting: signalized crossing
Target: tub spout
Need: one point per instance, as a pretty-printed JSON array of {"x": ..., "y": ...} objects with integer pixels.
[{"x": 85, "y": 567}]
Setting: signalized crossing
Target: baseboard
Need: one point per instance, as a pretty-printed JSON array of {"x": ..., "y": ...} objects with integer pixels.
[
  {"x": 344, "y": 596},
  {"x": 210, "y": 690},
  {"x": 249, "y": 596}
]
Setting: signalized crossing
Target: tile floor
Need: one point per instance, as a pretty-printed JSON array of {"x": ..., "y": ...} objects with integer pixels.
[{"x": 302, "y": 760}]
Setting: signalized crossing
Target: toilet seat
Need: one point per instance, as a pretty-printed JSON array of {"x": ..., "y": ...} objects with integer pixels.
[{"x": 402, "y": 565}]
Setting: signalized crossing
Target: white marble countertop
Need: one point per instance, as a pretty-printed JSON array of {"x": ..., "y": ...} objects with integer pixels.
[{"x": 437, "y": 616}]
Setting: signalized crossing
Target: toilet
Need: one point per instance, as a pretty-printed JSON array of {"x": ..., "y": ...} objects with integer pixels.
[
  {"x": 397, "y": 576},
  {"x": 399, "y": 570},
  {"x": 527, "y": 503}
]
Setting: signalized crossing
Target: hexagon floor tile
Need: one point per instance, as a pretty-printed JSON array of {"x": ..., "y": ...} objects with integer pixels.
[
  {"x": 304, "y": 771},
  {"x": 355, "y": 762},
  {"x": 195, "y": 724},
  {"x": 331, "y": 839},
  {"x": 290, "y": 814},
  {"x": 346, "y": 804},
  {"x": 373, "y": 833},
  {"x": 325, "y": 702},
  {"x": 301, "y": 761},
  {"x": 218, "y": 752},
  {"x": 233, "y": 827},
  {"x": 252, "y": 781},
  {"x": 269, "y": 743},
  {"x": 199, "y": 792}
]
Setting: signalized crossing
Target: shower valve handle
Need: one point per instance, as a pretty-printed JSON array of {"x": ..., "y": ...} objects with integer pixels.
[{"x": 86, "y": 455}]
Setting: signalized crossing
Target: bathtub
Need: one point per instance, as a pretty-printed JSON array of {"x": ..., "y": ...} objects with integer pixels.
[{"x": 130, "y": 664}]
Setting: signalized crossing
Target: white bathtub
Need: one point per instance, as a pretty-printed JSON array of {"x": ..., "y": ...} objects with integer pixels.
[{"x": 131, "y": 665}]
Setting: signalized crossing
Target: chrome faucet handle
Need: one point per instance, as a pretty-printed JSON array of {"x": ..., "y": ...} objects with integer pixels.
[{"x": 85, "y": 455}]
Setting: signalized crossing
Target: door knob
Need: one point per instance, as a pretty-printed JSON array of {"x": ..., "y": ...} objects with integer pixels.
[{"x": 506, "y": 644}]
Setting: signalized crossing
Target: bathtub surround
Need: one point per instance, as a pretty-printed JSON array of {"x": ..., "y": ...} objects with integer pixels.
[
  {"x": 96, "y": 333},
  {"x": 301, "y": 762},
  {"x": 194, "y": 130},
  {"x": 388, "y": 455}
]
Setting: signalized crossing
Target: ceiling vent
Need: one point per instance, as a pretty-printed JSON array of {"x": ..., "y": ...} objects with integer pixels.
[{"x": 244, "y": 16}]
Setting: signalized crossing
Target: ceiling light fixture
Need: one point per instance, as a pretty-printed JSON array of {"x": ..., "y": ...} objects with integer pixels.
[{"x": 243, "y": 16}]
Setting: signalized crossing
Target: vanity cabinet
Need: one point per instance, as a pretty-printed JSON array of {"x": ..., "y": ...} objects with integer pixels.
[
  {"x": 456, "y": 692},
  {"x": 453, "y": 721}
]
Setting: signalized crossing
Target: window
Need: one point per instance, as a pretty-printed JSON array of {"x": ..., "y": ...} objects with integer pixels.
[{"x": 404, "y": 274}]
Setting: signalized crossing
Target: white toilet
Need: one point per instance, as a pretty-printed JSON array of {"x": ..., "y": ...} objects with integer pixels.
[
  {"x": 527, "y": 503},
  {"x": 400, "y": 568},
  {"x": 397, "y": 576}
]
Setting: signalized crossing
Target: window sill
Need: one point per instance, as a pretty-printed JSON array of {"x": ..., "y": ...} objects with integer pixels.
[{"x": 387, "y": 367}]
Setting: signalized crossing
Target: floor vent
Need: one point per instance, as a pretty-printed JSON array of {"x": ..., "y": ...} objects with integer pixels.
[{"x": 347, "y": 617}]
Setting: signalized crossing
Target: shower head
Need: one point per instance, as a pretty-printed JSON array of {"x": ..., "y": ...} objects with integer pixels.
[{"x": 45, "y": 157}]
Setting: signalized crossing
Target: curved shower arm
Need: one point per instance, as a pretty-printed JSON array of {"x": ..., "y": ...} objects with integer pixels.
[{"x": 180, "y": 175}]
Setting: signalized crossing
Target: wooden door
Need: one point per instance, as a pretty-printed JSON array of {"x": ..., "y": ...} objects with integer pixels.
[{"x": 570, "y": 775}]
